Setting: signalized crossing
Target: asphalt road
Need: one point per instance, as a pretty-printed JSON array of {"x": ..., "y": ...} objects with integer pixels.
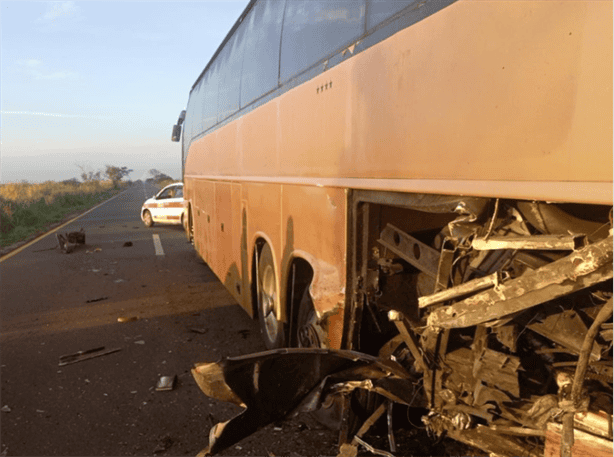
[{"x": 53, "y": 304}]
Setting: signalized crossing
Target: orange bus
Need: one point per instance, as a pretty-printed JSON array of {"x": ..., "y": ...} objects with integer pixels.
[{"x": 428, "y": 182}]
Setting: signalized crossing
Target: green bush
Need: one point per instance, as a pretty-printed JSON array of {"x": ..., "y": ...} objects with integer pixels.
[{"x": 21, "y": 218}]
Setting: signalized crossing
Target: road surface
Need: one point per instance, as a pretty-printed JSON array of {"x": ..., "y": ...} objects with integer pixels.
[{"x": 53, "y": 304}]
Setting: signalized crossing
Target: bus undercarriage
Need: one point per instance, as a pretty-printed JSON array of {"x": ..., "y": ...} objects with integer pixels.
[{"x": 492, "y": 317}]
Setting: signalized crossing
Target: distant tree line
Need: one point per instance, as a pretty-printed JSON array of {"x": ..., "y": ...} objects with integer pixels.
[{"x": 111, "y": 172}]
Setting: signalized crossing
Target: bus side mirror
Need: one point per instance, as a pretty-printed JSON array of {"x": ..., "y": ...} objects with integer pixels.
[{"x": 176, "y": 133}]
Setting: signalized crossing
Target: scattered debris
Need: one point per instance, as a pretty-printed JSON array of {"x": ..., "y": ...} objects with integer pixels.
[
  {"x": 244, "y": 333},
  {"x": 164, "y": 444},
  {"x": 200, "y": 330},
  {"x": 139, "y": 342},
  {"x": 69, "y": 241},
  {"x": 85, "y": 355},
  {"x": 127, "y": 244},
  {"x": 127, "y": 319},
  {"x": 93, "y": 250},
  {"x": 117, "y": 281},
  {"x": 5, "y": 409},
  {"x": 94, "y": 300},
  {"x": 166, "y": 383}
]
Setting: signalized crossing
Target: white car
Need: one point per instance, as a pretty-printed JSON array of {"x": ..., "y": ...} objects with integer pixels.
[{"x": 167, "y": 206}]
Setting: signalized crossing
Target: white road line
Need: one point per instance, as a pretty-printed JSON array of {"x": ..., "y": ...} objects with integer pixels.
[{"x": 158, "y": 245}]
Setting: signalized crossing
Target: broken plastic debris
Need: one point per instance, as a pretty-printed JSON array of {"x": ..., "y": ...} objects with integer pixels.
[
  {"x": 166, "y": 383},
  {"x": 139, "y": 342},
  {"x": 85, "y": 355},
  {"x": 6, "y": 409}
]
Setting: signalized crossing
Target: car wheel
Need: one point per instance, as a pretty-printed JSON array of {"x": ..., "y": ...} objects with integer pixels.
[
  {"x": 271, "y": 328},
  {"x": 188, "y": 227},
  {"x": 147, "y": 219}
]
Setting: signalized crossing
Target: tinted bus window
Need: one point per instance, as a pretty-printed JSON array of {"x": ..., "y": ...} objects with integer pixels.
[
  {"x": 188, "y": 129},
  {"x": 314, "y": 29},
  {"x": 209, "y": 99},
  {"x": 230, "y": 62},
  {"x": 380, "y": 10},
  {"x": 262, "y": 39}
]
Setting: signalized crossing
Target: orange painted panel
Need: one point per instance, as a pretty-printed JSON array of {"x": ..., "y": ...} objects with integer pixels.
[
  {"x": 258, "y": 141},
  {"x": 480, "y": 91},
  {"x": 263, "y": 208}
]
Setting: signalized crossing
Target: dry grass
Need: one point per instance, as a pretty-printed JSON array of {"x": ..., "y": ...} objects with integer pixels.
[{"x": 26, "y": 208}]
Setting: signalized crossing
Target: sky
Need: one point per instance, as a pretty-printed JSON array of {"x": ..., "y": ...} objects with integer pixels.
[{"x": 90, "y": 83}]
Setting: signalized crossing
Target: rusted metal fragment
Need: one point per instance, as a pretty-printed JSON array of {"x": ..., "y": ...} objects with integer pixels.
[
  {"x": 69, "y": 241},
  {"x": 467, "y": 371},
  {"x": 581, "y": 269},
  {"x": 85, "y": 355},
  {"x": 420, "y": 255},
  {"x": 536, "y": 242},
  {"x": 475, "y": 285},
  {"x": 491, "y": 441},
  {"x": 275, "y": 384},
  {"x": 567, "y": 329}
]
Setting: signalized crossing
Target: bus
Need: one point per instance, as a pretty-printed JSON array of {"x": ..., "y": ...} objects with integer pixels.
[{"x": 427, "y": 182}]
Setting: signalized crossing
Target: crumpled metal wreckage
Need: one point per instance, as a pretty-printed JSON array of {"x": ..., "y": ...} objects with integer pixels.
[
  {"x": 514, "y": 361},
  {"x": 281, "y": 383}
]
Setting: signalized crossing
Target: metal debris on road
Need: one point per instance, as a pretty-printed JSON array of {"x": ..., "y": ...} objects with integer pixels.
[
  {"x": 166, "y": 383},
  {"x": 85, "y": 355},
  {"x": 6, "y": 409},
  {"x": 93, "y": 300},
  {"x": 127, "y": 319},
  {"x": 127, "y": 244},
  {"x": 200, "y": 330},
  {"x": 69, "y": 241},
  {"x": 93, "y": 250}
]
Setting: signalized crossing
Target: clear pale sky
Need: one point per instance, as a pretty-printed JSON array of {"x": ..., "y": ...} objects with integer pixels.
[{"x": 91, "y": 83}]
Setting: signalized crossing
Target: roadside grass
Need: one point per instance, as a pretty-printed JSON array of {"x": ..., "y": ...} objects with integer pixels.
[{"x": 27, "y": 209}]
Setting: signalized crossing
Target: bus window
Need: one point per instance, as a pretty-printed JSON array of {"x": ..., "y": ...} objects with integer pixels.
[
  {"x": 262, "y": 39},
  {"x": 230, "y": 61},
  {"x": 209, "y": 99},
  {"x": 380, "y": 10},
  {"x": 315, "y": 29}
]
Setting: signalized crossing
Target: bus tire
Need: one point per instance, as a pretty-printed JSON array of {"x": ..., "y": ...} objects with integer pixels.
[
  {"x": 272, "y": 329},
  {"x": 306, "y": 333}
]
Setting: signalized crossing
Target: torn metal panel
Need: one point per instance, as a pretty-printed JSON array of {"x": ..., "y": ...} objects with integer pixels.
[
  {"x": 535, "y": 242},
  {"x": 274, "y": 384},
  {"x": 567, "y": 329},
  {"x": 581, "y": 269}
]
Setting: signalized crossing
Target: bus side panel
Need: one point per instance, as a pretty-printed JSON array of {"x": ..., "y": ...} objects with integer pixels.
[
  {"x": 314, "y": 224},
  {"x": 440, "y": 100},
  {"x": 203, "y": 215},
  {"x": 225, "y": 263},
  {"x": 259, "y": 140},
  {"x": 263, "y": 208}
]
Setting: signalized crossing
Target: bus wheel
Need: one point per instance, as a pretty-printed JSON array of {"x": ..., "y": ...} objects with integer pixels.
[
  {"x": 147, "y": 219},
  {"x": 306, "y": 333},
  {"x": 271, "y": 328}
]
